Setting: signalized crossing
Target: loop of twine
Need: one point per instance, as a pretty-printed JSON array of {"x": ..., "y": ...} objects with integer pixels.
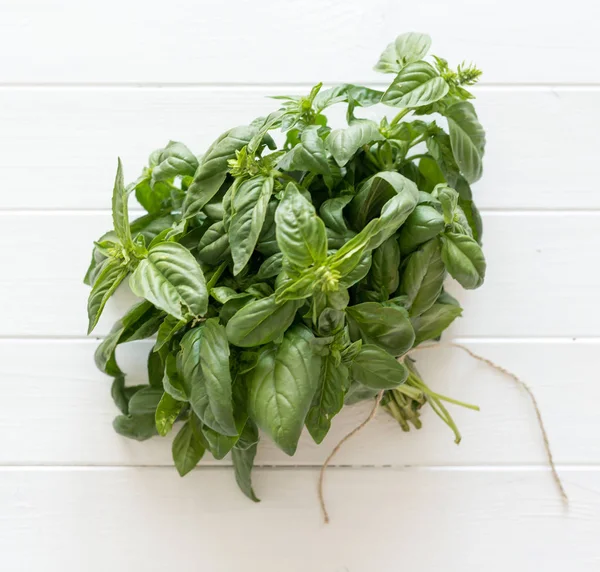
[{"x": 489, "y": 363}]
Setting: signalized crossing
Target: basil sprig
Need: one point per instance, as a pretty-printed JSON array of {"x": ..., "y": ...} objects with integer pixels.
[{"x": 283, "y": 282}]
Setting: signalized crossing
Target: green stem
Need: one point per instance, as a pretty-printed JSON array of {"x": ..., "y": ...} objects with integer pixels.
[
  {"x": 413, "y": 157},
  {"x": 412, "y": 392},
  {"x": 372, "y": 159},
  {"x": 216, "y": 275},
  {"x": 418, "y": 383},
  {"x": 396, "y": 413},
  {"x": 456, "y": 402},
  {"x": 280, "y": 175},
  {"x": 445, "y": 416},
  {"x": 398, "y": 117},
  {"x": 418, "y": 140}
]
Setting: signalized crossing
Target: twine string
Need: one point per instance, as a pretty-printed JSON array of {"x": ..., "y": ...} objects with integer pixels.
[
  {"x": 538, "y": 414},
  {"x": 489, "y": 363},
  {"x": 338, "y": 447}
]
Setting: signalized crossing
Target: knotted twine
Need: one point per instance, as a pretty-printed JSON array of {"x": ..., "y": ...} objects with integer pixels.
[{"x": 491, "y": 364}]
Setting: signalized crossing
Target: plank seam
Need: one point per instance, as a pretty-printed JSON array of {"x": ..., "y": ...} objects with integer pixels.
[
  {"x": 483, "y": 86},
  {"x": 464, "y": 340},
  {"x": 493, "y": 211},
  {"x": 568, "y": 468}
]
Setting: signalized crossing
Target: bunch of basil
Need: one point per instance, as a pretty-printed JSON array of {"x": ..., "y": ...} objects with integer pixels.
[{"x": 282, "y": 283}]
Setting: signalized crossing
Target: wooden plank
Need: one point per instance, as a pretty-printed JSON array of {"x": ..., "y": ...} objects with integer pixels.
[
  {"x": 540, "y": 279},
  {"x": 332, "y": 40},
  {"x": 58, "y": 147},
  {"x": 60, "y": 410},
  {"x": 384, "y": 520}
]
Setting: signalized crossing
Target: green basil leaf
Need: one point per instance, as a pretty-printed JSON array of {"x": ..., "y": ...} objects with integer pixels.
[
  {"x": 377, "y": 369},
  {"x": 393, "y": 214},
  {"x": 329, "y": 399},
  {"x": 243, "y": 455},
  {"x": 364, "y": 96},
  {"x": 112, "y": 274},
  {"x": 172, "y": 280},
  {"x": 167, "y": 411},
  {"x": 431, "y": 173},
  {"x": 145, "y": 401},
  {"x": 448, "y": 199},
  {"x": 300, "y": 232},
  {"x": 358, "y": 393},
  {"x": 358, "y": 272},
  {"x": 96, "y": 264},
  {"x": 344, "y": 143},
  {"x": 174, "y": 160},
  {"x": 173, "y": 382},
  {"x": 188, "y": 447},
  {"x": 152, "y": 225},
  {"x": 249, "y": 203},
  {"x": 309, "y": 155},
  {"x": 423, "y": 277},
  {"x": 375, "y": 192},
  {"x": 213, "y": 399},
  {"x": 384, "y": 276},
  {"x": 272, "y": 266},
  {"x": 120, "y": 213},
  {"x": 232, "y": 306},
  {"x": 469, "y": 208},
  {"x": 223, "y": 294},
  {"x": 423, "y": 224},
  {"x": 467, "y": 138},
  {"x": 332, "y": 213},
  {"x": 386, "y": 327},
  {"x": 213, "y": 168},
  {"x": 138, "y": 427},
  {"x": 260, "y": 322},
  {"x": 140, "y": 321},
  {"x": 117, "y": 392},
  {"x": 214, "y": 244},
  {"x": 282, "y": 387},
  {"x": 331, "y": 321},
  {"x": 430, "y": 324},
  {"x": 407, "y": 48},
  {"x": 152, "y": 197},
  {"x": 169, "y": 327},
  {"x": 156, "y": 369},
  {"x": 440, "y": 147},
  {"x": 417, "y": 84},
  {"x": 464, "y": 259},
  {"x": 219, "y": 445}
]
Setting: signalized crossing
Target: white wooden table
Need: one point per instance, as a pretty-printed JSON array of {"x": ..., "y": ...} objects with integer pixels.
[{"x": 82, "y": 82}]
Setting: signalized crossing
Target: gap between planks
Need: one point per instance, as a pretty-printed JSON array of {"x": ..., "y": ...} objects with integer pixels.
[
  {"x": 493, "y": 211},
  {"x": 483, "y": 468},
  {"x": 260, "y": 86},
  {"x": 461, "y": 340}
]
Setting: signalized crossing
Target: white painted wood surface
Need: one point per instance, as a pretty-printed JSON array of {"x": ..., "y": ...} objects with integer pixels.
[
  {"x": 82, "y": 82},
  {"x": 240, "y": 42},
  {"x": 539, "y": 266},
  {"x": 75, "y": 136},
  {"x": 383, "y": 520}
]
